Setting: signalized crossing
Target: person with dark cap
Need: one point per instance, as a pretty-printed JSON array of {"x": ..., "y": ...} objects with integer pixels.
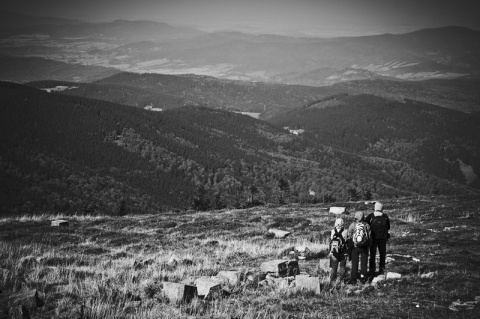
[
  {"x": 380, "y": 225},
  {"x": 360, "y": 237}
]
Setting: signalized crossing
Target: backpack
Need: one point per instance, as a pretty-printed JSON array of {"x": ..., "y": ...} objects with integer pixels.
[
  {"x": 378, "y": 225},
  {"x": 337, "y": 243},
  {"x": 360, "y": 235}
]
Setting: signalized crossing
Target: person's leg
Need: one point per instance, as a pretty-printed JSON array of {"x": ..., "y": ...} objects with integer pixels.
[
  {"x": 355, "y": 258},
  {"x": 333, "y": 267},
  {"x": 342, "y": 263},
  {"x": 363, "y": 263},
  {"x": 382, "y": 249},
  {"x": 373, "y": 255}
]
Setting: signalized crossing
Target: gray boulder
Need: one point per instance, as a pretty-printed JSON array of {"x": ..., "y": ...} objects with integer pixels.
[
  {"x": 305, "y": 282},
  {"x": 176, "y": 292},
  {"x": 280, "y": 267},
  {"x": 59, "y": 222},
  {"x": 279, "y": 233}
]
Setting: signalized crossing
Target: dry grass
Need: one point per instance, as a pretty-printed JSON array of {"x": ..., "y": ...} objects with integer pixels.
[{"x": 90, "y": 268}]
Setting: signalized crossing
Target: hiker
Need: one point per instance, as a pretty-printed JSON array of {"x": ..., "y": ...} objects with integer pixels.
[
  {"x": 360, "y": 236},
  {"x": 338, "y": 250},
  {"x": 380, "y": 225}
]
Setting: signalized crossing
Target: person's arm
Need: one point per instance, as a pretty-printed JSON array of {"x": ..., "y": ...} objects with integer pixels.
[{"x": 388, "y": 222}]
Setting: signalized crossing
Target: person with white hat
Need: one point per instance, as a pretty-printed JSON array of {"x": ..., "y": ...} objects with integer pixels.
[
  {"x": 338, "y": 250},
  {"x": 380, "y": 225}
]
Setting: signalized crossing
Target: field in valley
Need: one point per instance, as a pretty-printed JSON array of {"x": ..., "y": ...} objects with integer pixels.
[{"x": 115, "y": 267}]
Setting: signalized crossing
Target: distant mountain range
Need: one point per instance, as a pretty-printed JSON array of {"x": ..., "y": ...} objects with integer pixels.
[{"x": 154, "y": 47}]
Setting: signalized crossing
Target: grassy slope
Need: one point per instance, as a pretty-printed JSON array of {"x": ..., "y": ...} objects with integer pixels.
[{"x": 91, "y": 262}]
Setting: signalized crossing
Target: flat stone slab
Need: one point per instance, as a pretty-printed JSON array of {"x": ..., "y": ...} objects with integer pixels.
[
  {"x": 281, "y": 267},
  {"x": 279, "y": 233},
  {"x": 232, "y": 277},
  {"x": 393, "y": 275},
  {"x": 209, "y": 287},
  {"x": 337, "y": 210},
  {"x": 59, "y": 222},
  {"x": 306, "y": 282},
  {"x": 177, "y": 292},
  {"x": 378, "y": 279}
]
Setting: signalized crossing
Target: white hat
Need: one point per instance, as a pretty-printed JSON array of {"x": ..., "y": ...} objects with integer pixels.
[
  {"x": 378, "y": 207},
  {"x": 339, "y": 222}
]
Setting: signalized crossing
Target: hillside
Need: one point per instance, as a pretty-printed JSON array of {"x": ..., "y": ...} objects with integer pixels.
[
  {"x": 170, "y": 91},
  {"x": 459, "y": 94},
  {"x": 27, "y": 69},
  {"x": 70, "y": 154},
  {"x": 121, "y": 267},
  {"x": 427, "y": 137}
]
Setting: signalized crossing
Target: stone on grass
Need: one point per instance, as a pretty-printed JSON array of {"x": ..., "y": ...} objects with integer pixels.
[
  {"x": 428, "y": 275},
  {"x": 324, "y": 264},
  {"x": 393, "y": 275},
  {"x": 232, "y": 277},
  {"x": 337, "y": 210},
  {"x": 302, "y": 252},
  {"x": 378, "y": 279},
  {"x": 280, "y": 267},
  {"x": 279, "y": 233},
  {"x": 209, "y": 287},
  {"x": 176, "y": 292},
  {"x": 18, "y": 312},
  {"x": 307, "y": 283},
  {"x": 59, "y": 222}
]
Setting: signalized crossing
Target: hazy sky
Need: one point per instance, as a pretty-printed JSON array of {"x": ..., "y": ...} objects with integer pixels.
[{"x": 293, "y": 16}]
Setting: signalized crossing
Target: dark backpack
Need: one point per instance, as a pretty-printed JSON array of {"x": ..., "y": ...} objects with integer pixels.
[
  {"x": 378, "y": 225},
  {"x": 360, "y": 235},
  {"x": 337, "y": 243}
]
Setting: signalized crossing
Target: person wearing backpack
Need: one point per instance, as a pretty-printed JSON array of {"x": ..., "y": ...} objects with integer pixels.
[
  {"x": 380, "y": 225},
  {"x": 338, "y": 250},
  {"x": 359, "y": 235}
]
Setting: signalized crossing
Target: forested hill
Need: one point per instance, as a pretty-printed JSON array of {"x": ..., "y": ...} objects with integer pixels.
[
  {"x": 69, "y": 154},
  {"x": 170, "y": 91},
  {"x": 428, "y": 137}
]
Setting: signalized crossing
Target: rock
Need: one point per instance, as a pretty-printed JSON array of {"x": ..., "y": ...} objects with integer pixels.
[
  {"x": 190, "y": 281},
  {"x": 389, "y": 260},
  {"x": 232, "y": 277},
  {"x": 280, "y": 267},
  {"x": 302, "y": 252},
  {"x": 324, "y": 264},
  {"x": 209, "y": 287},
  {"x": 357, "y": 292},
  {"x": 279, "y": 233},
  {"x": 18, "y": 312},
  {"x": 31, "y": 299},
  {"x": 59, "y": 222},
  {"x": 428, "y": 275},
  {"x": 337, "y": 210},
  {"x": 176, "y": 292},
  {"x": 393, "y": 275},
  {"x": 307, "y": 283},
  {"x": 378, "y": 279}
]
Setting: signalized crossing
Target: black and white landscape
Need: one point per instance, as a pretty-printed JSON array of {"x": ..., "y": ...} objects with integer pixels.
[{"x": 133, "y": 127}]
